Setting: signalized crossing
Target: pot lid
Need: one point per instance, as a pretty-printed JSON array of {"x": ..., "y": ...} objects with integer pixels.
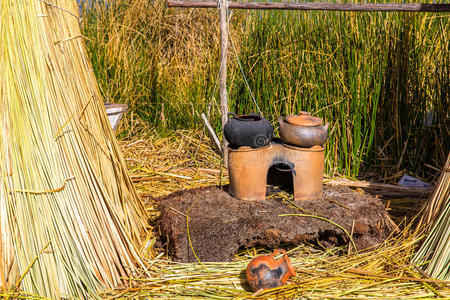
[{"x": 304, "y": 119}]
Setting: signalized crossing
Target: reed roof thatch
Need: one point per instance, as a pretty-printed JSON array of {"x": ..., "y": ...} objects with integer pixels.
[
  {"x": 434, "y": 253},
  {"x": 70, "y": 218}
]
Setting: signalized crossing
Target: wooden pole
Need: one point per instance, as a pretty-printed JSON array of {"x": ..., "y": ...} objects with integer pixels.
[
  {"x": 223, "y": 74},
  {"x": 411, "y": 7}
]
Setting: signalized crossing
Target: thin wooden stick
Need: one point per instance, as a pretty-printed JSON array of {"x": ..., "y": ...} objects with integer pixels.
[
  {"x": 382, "y": 188},
  {"x": 211, "y": 131},
  {"x": 411, "y": 7}
]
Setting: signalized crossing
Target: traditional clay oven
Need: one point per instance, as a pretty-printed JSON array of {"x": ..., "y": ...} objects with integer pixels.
[
  {"x": 249, "y": 167},
  {"x": 221, "y": 223}
]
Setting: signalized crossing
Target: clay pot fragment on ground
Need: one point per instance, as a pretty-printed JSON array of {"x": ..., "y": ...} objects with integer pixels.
[{"x": 265, "y": 272}]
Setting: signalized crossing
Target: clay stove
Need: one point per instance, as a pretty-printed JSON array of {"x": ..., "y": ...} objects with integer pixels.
[
  {"x": 220, "y": 225},
  {"x": 249, "y": 167}
]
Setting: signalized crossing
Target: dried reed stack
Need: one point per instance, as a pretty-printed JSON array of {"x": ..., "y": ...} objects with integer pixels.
[
  {"x": 70, "y": 219},
  {"x": 435, "y": 251}
]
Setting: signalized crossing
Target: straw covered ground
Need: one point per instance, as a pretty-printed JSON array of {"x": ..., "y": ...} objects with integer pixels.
[{"x": 183, "y": 160}]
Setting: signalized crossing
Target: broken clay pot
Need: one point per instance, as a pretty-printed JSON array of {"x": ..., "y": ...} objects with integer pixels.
[{"x": 265, "y": 272}]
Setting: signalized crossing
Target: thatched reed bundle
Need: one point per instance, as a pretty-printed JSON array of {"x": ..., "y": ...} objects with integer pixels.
[
  {"x": 435, "y": 251},
  {"x": 70, "y": 219}
]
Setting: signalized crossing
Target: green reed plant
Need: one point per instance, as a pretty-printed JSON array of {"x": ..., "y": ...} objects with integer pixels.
[
  {"x": 318, "y": 62},
  {"x": 373, "y": 76},
  {"x": 416, "y": 83}
]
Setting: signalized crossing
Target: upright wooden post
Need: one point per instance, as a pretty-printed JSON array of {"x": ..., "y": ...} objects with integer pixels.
[{"x": 223, "y": 7}]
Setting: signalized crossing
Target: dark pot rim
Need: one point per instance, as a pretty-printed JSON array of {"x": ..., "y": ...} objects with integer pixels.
[
  {"x": 246, "y": 118},
  {"x": 247, "y": 148}
]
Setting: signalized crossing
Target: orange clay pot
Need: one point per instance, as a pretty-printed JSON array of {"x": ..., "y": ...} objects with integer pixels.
[{"x": 265, "y": 272}]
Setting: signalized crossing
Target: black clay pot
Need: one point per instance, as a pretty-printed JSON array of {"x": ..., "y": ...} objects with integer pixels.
[{"x": 248, "y": 130}]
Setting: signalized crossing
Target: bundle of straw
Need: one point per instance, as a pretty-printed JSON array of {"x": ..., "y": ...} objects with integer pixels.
[
  {"x": 435, "y": 251},
  {"x": 70, "y": 219}
]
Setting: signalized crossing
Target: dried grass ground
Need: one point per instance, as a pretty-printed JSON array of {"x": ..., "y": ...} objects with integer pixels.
[{"x": 186, "y": 159}]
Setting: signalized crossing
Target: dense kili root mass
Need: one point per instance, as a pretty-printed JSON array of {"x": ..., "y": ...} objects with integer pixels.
[
  {"x": 208, "y": 224},
  {"x": 70, "y": 218}
]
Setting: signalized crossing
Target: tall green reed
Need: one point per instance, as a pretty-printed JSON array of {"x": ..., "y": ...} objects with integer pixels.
[
  {"x": 415, "y": 84},
  {"x": 322, "y": 62},
  {"x": 373, "y": 76}
]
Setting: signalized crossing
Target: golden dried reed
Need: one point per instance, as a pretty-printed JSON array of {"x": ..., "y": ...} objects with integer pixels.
[{"x": 70, "y": 219}]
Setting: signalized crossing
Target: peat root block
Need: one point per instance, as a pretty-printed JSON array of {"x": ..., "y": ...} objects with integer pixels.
[{"x": 220, "y": 225}]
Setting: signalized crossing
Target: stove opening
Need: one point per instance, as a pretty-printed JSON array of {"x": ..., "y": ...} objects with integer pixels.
[{"x": 279, "y": 177}]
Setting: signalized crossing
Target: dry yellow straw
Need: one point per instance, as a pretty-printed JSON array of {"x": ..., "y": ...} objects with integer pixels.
[
  {"x": 63, "y": 179},
  {"x": 440, "y": 195},
  {"x": 434, "y": 253}
]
